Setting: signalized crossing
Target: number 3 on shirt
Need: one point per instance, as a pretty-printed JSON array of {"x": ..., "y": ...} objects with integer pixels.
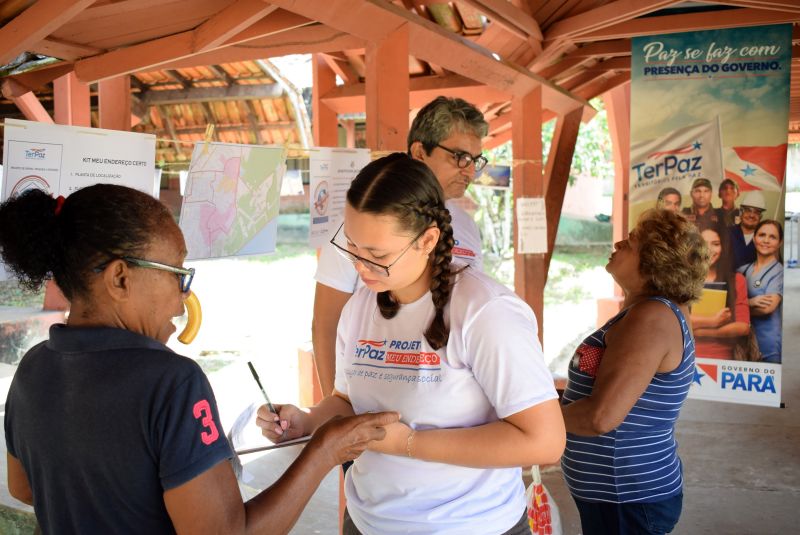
[{"x": 203, "y": 410}]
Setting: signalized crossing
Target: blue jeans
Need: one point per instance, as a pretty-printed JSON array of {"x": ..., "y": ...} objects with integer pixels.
[{"x": 656, "y": 518}]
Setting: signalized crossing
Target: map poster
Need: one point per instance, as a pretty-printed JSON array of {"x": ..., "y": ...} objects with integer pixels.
[
  {"x": 331, "y": 170},
  {"x": 63, "y": 159},
  {"x": 230, "y": 205},
  {"x": 709, "y": 118}
]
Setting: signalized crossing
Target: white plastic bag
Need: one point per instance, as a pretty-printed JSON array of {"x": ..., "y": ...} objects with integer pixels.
[{"x": 543, "y": 516}]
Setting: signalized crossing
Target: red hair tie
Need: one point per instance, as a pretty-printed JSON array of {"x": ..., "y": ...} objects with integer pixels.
[{"x": 59, "y": 204}]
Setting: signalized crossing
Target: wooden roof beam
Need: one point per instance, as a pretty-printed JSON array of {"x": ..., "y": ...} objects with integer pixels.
[
  {"x": 34, "y": 80},
  {"x": 167, "y": 120},
  {"x": 778, "y": 5},
  {"x": 208, "y": 94},
  {"x": 372, "y": 20},
  {"x": 340, "y": 65},
  {"x": 595, "y": 90},
  {"x": 581, "y": 80},
  {"x": 612, "y": 64},
  {"x": 560, "y": 68},
  {"x": 494, "y": 141},
  {"x": 222, "y": 74},
  {"x": 690, "y": 22},
  {"x": 604, "y": 16},
  {"x": 35, "y": 23},
  {"x": 512, "y": 18},
  {"x": 512, "y": 14},
  {"x": 351, "y": 99},
  {"x": 304, "y": 40},
  {"x": 27, "y": 103},
  {"x": 66, "y": 50},
  {"x": 229, "y": 22},
  {"x": 177, "y": 78},
  {"x": 152, "y": 54},
  {"x": 499, "y": 124},
  {"x": 255, "y": 129},
  {"x": 617, "y": 47}
]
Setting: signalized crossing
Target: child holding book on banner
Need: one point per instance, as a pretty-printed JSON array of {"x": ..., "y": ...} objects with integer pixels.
[{"x": 719, "y": 329}]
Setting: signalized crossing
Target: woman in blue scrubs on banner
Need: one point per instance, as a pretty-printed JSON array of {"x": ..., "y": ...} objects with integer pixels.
[{"x": 765, "y": 289}]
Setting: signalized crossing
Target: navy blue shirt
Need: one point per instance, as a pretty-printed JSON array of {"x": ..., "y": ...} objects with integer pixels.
[
  {"x": 104, "y": 421},
  {"x": 743, "y": 253}
]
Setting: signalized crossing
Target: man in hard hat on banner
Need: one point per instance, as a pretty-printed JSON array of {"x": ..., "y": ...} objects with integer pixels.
[{"x": 751, "y": 208}]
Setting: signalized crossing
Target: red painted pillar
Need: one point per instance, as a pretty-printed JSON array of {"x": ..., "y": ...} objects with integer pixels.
[
  {"x": 526, "y": 145},
  {"x": 387, "y": 88},
  {"x": 325, "y": 129},
  {"x": 115, "y": 103},
  {"x": 72, "y": 105}
]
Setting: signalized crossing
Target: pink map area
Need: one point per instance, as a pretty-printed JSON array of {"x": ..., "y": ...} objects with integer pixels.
[{"x": 217, "y": 218}]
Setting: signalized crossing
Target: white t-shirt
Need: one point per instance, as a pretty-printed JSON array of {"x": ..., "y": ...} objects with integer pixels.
[
  {"x": 337, "y": 272},
  {"x": 485, "y": 372}
]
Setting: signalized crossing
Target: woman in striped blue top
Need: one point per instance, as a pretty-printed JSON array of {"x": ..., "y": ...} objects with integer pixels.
[{"x": 628, "y": 381}]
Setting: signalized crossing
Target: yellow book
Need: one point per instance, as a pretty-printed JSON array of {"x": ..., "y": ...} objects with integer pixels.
[{"x": 711, "y": 301}]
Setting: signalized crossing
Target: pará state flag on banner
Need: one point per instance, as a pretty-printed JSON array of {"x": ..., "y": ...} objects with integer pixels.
[
  {"x": 756, "y": 168},
  {"x": 675, "y": 160}
]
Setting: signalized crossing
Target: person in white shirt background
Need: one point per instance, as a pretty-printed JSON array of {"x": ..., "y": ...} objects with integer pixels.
[
  {"x": 422, "y": 338},
  {"x": 446, "y": 135}
]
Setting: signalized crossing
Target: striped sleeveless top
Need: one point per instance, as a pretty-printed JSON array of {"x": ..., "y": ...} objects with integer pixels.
[{"x": 637, "y": 461}]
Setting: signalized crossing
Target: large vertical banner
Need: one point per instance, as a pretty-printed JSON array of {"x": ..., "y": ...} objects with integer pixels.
[{"x": 709, "y": 120}]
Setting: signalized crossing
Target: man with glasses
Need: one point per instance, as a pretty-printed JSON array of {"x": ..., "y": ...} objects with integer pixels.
[
  {"x": 446, "y": 135},
  {"x": 751, "y": 209}
]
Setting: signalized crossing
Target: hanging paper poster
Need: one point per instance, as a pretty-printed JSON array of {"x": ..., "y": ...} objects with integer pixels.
[
  {"x": 531, "y": 225},
  {"x": 230, "y": 205},
  {"x": 709, "y": 131},
  {"x": 62, "y": 159},
  {"x": 331, "y": 170}
]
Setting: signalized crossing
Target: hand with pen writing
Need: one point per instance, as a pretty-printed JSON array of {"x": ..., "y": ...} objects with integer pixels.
[
  {"x": 292, "y": 423},
  {"x": 340, "y": 439}
]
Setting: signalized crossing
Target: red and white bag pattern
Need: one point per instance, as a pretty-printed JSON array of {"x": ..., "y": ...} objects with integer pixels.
[{"x": 543, "y": 516}]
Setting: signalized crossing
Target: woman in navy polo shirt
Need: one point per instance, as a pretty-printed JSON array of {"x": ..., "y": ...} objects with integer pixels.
[
  {"x": 628, "y": 381},
  {"x": 108, "y": 430}
]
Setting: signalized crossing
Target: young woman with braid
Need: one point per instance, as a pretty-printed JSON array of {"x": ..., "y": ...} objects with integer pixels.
[{"x": 454, "y": 352}]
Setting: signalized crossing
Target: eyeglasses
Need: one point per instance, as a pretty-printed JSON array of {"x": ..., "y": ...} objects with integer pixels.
[
  {"x": 374, "y": 267},
  {"x": 463, "y": 159},
  {"x": 185, "y": 275},
  {"x": 752, "y": 209}
]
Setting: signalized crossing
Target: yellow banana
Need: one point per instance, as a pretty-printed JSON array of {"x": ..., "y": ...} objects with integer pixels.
[{"x": 195, "y": 313}]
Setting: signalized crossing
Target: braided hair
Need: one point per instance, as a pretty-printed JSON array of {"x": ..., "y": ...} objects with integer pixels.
[
  {"x": 406, "y": 189},
  {"x": 42, "y": 238}
]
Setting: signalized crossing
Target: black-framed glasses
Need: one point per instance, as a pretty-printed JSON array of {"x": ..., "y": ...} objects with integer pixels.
[
  {"x": 374, "y": 267},
  {"x": 463, "y": 159},
  {"x": 185, "y": 275}
]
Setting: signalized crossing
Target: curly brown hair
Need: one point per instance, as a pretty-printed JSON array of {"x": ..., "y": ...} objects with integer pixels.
[{"x": 673, "y": 256}]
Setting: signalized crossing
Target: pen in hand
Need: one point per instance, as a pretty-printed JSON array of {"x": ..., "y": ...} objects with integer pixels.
[{"x": 260, "y": 386}]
